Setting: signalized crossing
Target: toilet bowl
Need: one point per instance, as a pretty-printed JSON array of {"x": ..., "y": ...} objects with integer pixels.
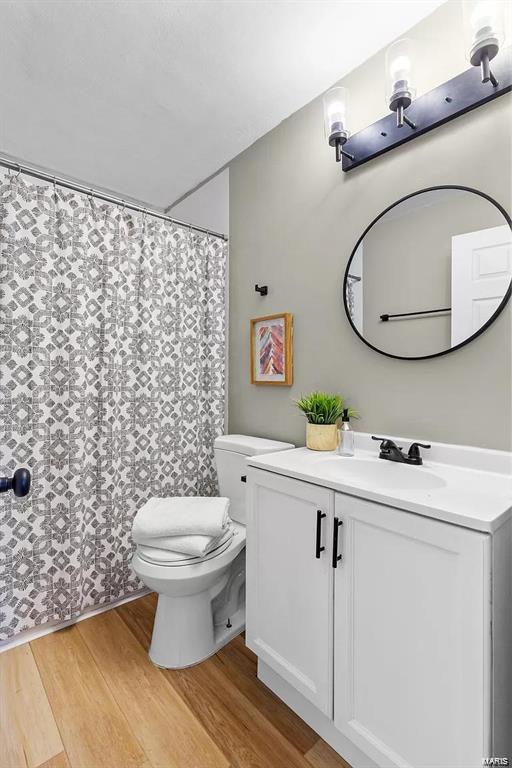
[
  {"x": 186, "y": 629},
  {"x": 201, "y": 600}
]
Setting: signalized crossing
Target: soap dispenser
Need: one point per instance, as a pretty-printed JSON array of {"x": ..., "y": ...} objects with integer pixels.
[{"x": 346, "y": 442}]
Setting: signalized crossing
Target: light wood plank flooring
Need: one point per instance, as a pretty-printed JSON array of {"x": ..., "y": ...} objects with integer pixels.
[{"x": 88, "y": 697}]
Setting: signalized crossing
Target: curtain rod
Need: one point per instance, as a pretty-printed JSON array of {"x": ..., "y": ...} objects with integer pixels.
[{"x": 67, "y": 184}]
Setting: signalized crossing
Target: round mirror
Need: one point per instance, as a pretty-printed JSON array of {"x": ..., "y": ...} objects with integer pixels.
[{"x": 430, "y": 273}]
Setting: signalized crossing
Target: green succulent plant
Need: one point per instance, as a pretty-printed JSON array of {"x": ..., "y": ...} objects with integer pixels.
[{"x": 322, "y": 408}]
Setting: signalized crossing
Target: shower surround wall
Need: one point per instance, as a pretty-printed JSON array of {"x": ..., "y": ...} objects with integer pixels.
[
  {"x": 294, "y": 220},
  {"x": 112, "y": 363}
]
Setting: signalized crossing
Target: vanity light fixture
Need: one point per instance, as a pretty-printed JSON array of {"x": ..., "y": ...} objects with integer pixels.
[
  {"x": 484, "y": 30},
  {"x": 336, "y": 103},
  {"x": 423, "y": 113}
]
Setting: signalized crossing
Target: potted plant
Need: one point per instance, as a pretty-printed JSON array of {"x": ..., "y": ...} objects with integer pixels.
[{"x": 322, "y": 412}]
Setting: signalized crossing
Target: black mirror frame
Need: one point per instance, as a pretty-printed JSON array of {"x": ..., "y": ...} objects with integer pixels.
[{"x": 481, "y": 330}]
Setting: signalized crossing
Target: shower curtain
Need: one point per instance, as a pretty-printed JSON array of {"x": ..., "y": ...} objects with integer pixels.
[{"x": 112, "y": 387}]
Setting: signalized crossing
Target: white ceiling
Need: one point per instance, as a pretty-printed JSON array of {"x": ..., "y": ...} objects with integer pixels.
[{"x": 147, "y": 99}]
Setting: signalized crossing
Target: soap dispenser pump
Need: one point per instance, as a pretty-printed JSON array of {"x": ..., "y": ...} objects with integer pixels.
[{"x": 346, "y": 442}]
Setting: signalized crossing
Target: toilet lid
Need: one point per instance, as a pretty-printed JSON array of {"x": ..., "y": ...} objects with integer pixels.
[{"x": 167, "y": 557}]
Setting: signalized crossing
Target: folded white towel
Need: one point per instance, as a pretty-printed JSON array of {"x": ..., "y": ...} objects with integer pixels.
[
  {"x": 181, "y": 516},
  {"x": 198, "y": 546}
]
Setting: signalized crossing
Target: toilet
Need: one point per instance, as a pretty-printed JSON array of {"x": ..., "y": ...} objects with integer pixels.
[{"x": 201, "y": 600}]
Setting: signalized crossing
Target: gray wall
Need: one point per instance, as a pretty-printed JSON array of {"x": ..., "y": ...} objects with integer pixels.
[{"x": 294, "y": 219}]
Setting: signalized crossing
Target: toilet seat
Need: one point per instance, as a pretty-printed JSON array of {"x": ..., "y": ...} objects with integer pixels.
[{"x": 168, "y": 559}]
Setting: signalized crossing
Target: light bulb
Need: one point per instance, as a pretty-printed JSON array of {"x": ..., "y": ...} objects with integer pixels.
[
  {"x": 482, "y": 17},
  {"x": 400, "y": 90},
  {"x": 335, "y": 115},
  {"x": 484, "y": 32},
  {"x": 335, "y": 120},
  {"x": 399, "y": 70}
]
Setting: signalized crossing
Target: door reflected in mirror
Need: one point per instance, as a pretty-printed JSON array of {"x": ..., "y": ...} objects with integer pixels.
[{"x": 430, "y": 273}]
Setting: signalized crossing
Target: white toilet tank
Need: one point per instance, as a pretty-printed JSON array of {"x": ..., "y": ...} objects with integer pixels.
[{"x": 231, "y": 452}]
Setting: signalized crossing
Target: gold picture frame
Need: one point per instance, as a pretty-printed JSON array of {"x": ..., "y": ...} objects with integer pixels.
[{"x": 272, "y": 350}]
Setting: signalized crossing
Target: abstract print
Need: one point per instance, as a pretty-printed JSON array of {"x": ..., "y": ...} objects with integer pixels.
[{"x": 271, "y": 349}]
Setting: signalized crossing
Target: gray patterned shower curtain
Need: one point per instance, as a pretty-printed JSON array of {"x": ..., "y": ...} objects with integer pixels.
[{"x": 112, "y": 386}]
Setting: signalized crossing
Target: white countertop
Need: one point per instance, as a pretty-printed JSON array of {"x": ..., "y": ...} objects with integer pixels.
[{"x": 464, "y": 495}]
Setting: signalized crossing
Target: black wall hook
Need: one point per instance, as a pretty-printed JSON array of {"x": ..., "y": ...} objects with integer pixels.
[{"x": 261, "y": 289}]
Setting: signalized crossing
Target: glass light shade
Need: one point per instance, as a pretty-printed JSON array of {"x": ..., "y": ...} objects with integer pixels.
[
  {"x": 484, "y": 28},
  {"x": 400, "y": 70},
  {"x": 336, "y": 105}
]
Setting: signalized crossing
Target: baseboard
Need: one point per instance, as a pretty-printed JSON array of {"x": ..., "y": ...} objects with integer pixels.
[
  {"x": 316, "y": 719},
  {"x": 45, "y": 629}
]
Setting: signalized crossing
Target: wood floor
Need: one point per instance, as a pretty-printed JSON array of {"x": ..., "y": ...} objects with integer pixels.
[{"x": 88, "y": 697}]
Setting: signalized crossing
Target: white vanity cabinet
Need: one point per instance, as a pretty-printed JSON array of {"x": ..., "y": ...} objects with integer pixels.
[
  {"x": 289, "y": 623},
  {"x": 412, "y": 637},
  {"x": 392, "y": 642}
]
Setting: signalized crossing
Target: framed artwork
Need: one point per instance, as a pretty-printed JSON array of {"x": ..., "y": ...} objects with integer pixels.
[{"x": 271, "y": 350}]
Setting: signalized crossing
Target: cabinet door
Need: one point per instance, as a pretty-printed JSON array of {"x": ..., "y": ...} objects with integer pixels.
[
  {"x": 411, "y": 638},
  {"x": 289, "y": 621}
]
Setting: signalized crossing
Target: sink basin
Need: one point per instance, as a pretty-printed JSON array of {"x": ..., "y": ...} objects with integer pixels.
[{"x": 380, "y": 474}]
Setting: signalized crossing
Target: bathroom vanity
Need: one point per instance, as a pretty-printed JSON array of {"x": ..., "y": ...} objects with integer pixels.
[{"x": 379, "y": 600}]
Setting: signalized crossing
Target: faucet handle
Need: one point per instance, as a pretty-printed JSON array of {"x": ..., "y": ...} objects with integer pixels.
[
  {"x": 414, "y": 451},
  {"x": 385, "y": 442},
  {"x": 415, "y": 446}
]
